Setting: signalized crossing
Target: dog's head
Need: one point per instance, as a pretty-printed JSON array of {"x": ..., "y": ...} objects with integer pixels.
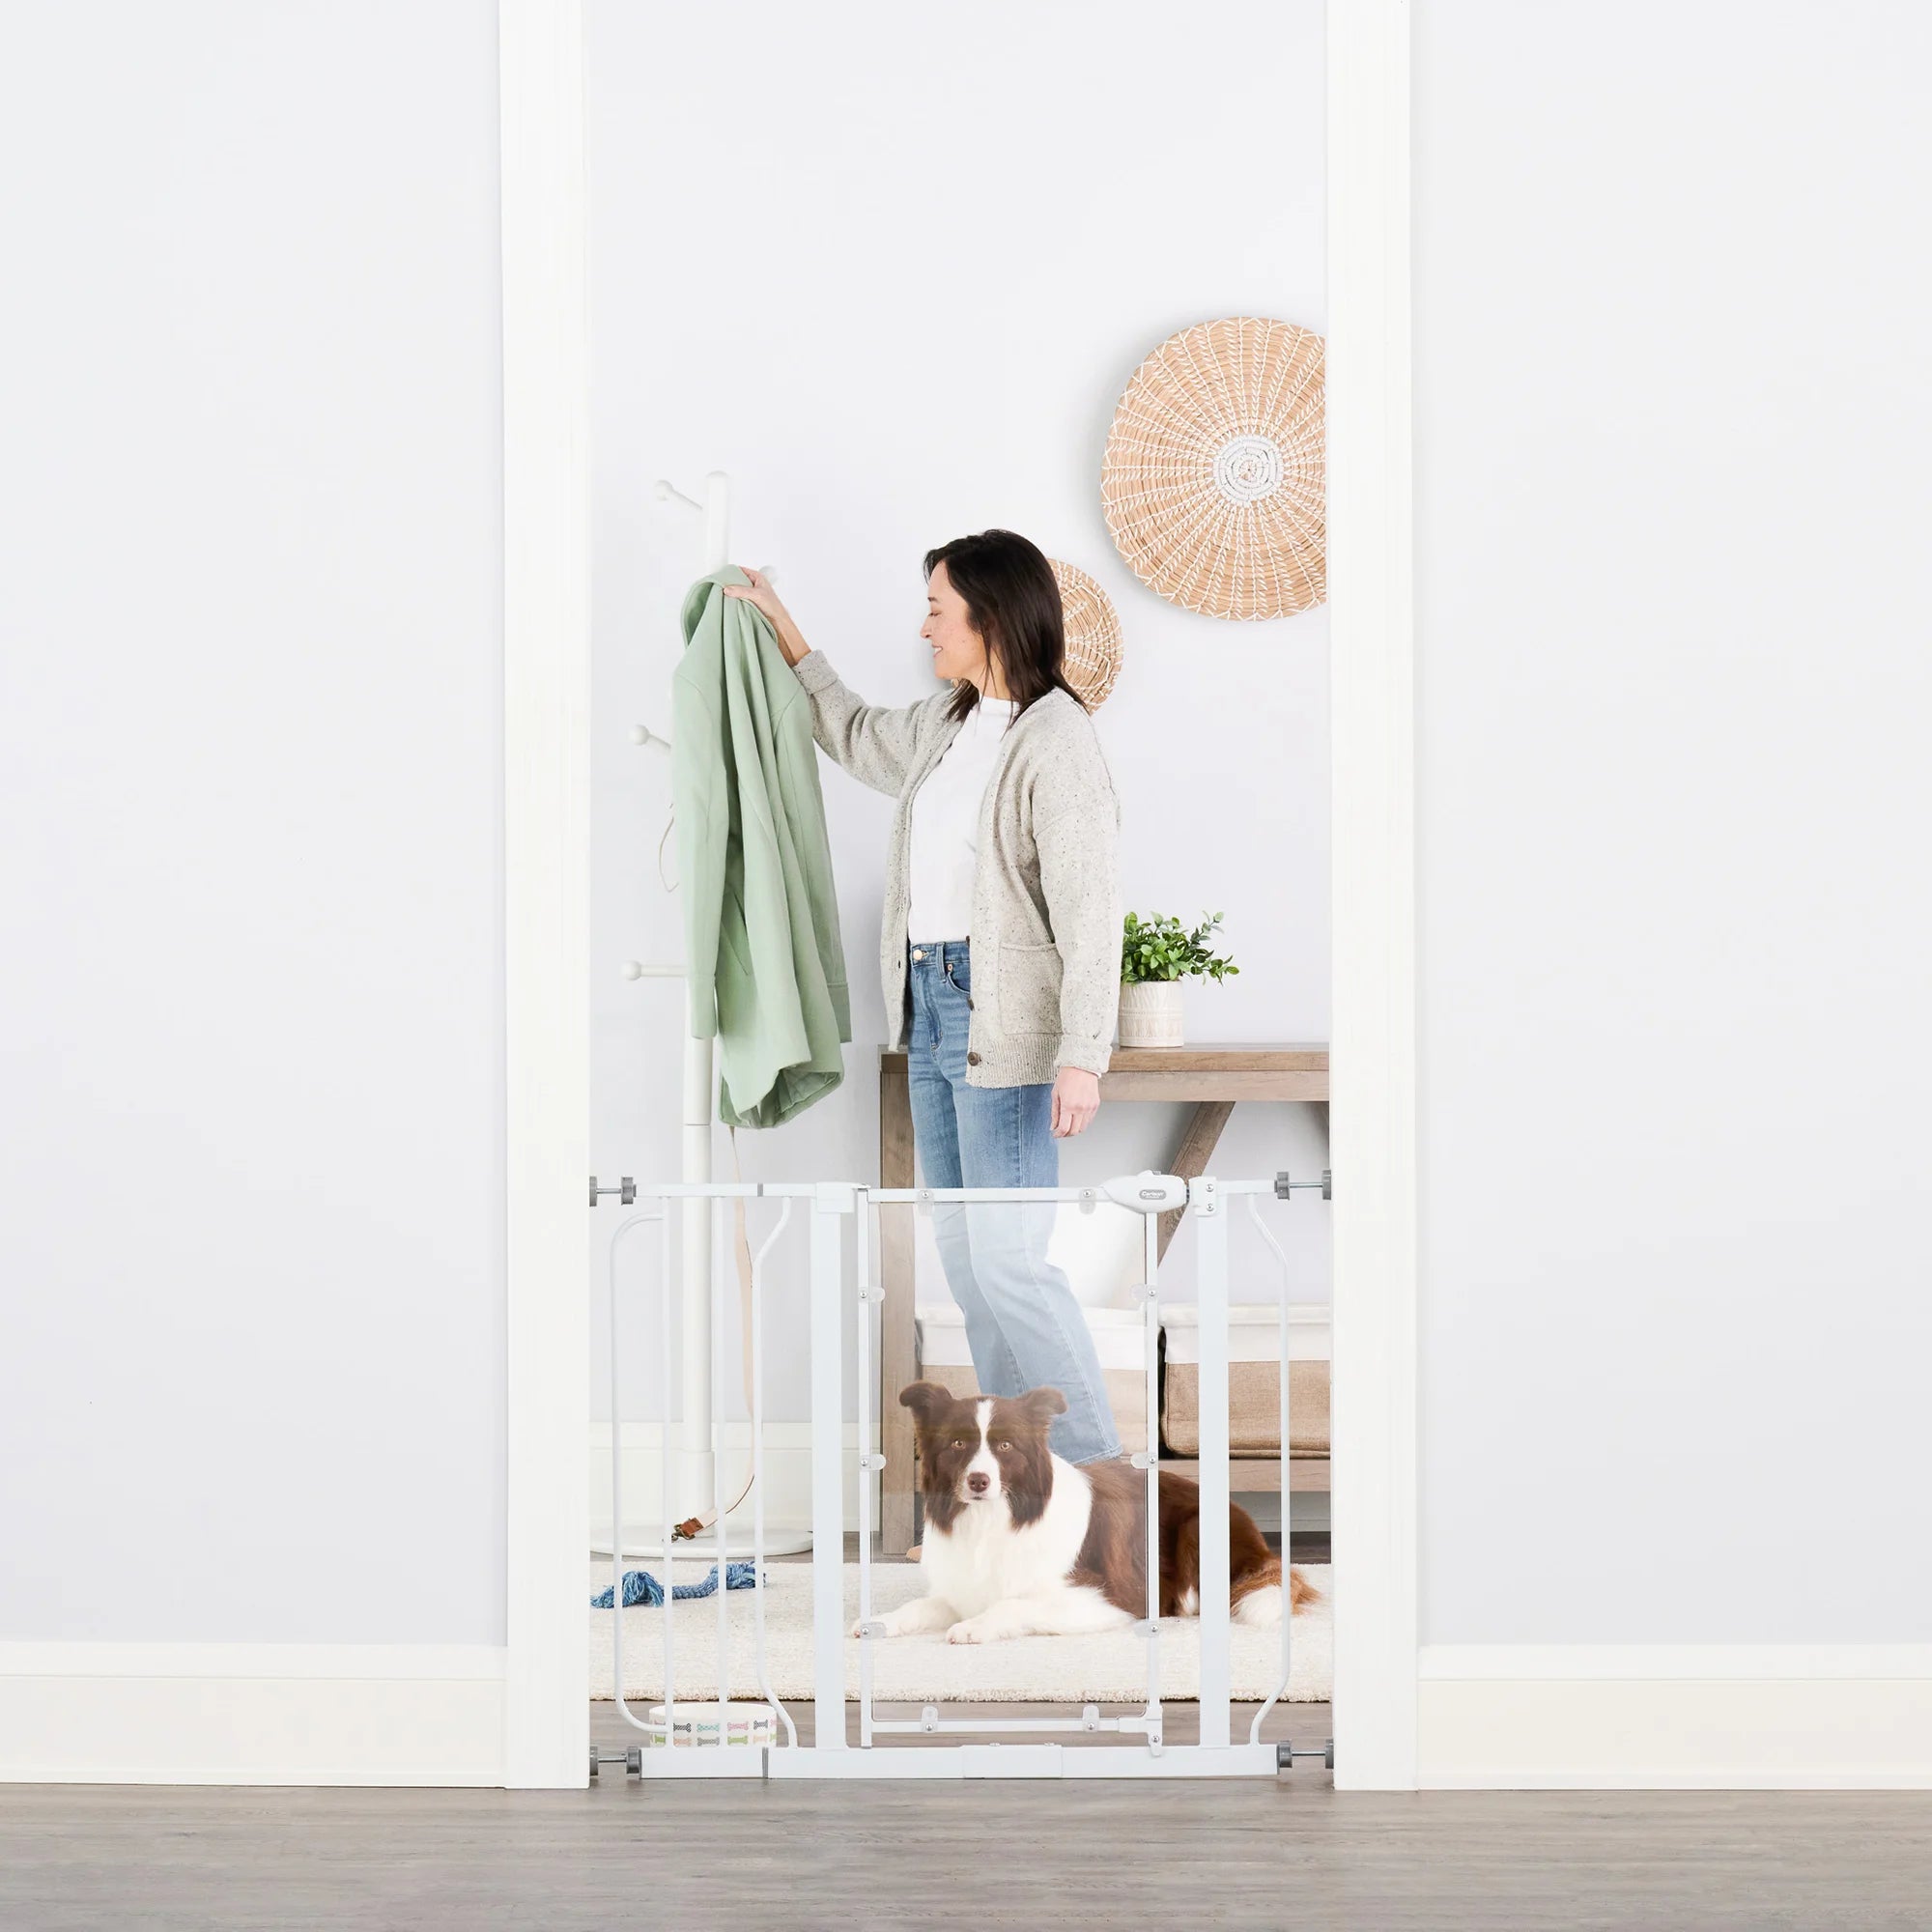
[{"x": 978, "y": 1451}]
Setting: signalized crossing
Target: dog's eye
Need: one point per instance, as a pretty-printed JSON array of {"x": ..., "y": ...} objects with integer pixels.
[
  {"x": 1003, "y": 1445},
  {"x": 958, "y": 1442}
]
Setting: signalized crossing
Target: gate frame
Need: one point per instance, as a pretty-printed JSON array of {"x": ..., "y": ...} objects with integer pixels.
[
  {"x": 547, "y": 943},
  {"x": 1023, "y": 1748}
]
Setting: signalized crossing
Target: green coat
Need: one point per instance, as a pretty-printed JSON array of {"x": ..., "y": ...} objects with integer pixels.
[{"x": 765, "y": 962}]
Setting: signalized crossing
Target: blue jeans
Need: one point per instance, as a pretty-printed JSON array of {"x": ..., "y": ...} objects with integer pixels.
[{"x": 1023, "y": 1326}]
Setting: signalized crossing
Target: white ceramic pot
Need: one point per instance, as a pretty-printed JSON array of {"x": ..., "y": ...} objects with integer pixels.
[{"x": 1151, "y": 1014}]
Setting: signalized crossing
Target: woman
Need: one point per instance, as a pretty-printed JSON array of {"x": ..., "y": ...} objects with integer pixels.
[{"x": 1001, "y": 954}]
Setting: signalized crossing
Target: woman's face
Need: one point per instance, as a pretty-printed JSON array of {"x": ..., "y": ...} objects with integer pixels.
[{"x": 958, "y": 649}]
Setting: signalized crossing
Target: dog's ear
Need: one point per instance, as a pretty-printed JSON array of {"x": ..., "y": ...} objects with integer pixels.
[
  {"x": 1040, "y": 1405},
  {"x": 923, "y": 1398}
]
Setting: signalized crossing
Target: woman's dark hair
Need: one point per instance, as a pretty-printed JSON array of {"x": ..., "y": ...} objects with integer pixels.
[{"x": 1012, "y": 600}]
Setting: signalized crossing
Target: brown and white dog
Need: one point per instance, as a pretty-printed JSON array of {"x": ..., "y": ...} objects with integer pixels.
[{"x": 1019, "y": 1542}]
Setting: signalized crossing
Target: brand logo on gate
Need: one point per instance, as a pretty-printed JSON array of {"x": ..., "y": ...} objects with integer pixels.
[{"x": 1154, "y": 1194}]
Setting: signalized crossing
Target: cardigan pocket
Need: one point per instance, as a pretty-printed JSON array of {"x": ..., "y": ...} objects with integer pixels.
[{"x": 1029, "y": 988}]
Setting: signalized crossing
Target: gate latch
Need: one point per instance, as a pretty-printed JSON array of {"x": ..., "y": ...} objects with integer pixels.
[{"x": 1147, "y": 1192}]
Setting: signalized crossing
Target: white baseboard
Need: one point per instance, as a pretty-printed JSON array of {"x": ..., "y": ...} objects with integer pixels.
[
  {"x": 787, "y": 1462},
  {"x": 251, "y": 1714},
  {"x": 1665, "y": 1717}
]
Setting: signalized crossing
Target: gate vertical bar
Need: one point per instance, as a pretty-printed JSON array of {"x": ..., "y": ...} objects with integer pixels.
[
  {"x": 1211, "y": 1252},
  {"x": 756, "y": 1344},
  {"x": 1287, "y": 1440},
  {"x": 617, "y": 1482},
  {"x": 867, "y": 1393},
  {"x": 715, "y": 1336},
  {"x": 666, "y": 1465},
  {"x": 828, "y": 1432},
  {"x": 1150, "y": 1305}
]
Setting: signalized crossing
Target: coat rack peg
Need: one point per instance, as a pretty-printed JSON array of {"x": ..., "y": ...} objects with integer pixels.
[
  {"x": 716, "y": 509},
  {"x": 642, "y": 734}
]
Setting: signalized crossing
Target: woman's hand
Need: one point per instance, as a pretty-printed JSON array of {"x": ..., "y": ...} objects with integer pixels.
[
  {"x": 759, "y": 591},
  {"x": 1076, "y": 1099}
]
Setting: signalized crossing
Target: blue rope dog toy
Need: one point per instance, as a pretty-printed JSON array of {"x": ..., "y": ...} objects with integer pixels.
[{"x": 641, "y": 1587}]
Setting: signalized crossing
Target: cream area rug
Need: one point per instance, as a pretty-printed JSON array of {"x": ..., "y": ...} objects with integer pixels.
[{"x": 1103, "y": 1670}]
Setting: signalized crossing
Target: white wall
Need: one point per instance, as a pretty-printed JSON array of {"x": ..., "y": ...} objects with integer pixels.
[
  {"x": 252, "y": 1385},
  {"x": 1671, "y": 415},
  {"x": 894, "y": 279},
  {"x": 1672, "y": 410}
]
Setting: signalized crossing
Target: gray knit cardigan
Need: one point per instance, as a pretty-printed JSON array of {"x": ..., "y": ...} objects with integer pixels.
[{"x": 1046, "y": 903}]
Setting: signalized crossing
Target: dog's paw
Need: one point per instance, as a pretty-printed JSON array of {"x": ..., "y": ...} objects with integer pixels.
[{"x": 968, "y": 1629}]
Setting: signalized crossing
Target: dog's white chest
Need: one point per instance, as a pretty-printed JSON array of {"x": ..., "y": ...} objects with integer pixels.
[{"x": 985, "y": 1558}]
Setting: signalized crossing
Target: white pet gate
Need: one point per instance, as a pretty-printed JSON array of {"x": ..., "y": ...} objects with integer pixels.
[{"x": 761, "y": 1739}]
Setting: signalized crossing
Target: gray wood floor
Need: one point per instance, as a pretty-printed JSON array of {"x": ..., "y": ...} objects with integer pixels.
[{"x": 1071, "y": 1857}]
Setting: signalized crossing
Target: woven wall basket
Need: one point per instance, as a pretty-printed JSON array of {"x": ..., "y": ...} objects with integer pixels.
[
  {"x": 1092, "y": 635},
  {"x": 1214, "y": 481}
]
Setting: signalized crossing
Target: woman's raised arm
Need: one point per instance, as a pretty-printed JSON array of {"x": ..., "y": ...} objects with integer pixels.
[{"x": 873, "y": 742}]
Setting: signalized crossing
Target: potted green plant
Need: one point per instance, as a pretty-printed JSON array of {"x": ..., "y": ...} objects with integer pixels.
[{"x": 1157, "y": 953}]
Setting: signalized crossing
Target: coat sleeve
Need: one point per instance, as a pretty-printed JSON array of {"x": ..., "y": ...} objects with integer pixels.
[
  {"x": 1079, "y": 877},
  {"x": 873, "y": 742}
]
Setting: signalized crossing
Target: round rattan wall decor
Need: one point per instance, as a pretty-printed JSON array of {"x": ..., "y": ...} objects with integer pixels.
[
  {"x": 1092, "y": 635},
  {"x": 1214, "y": 482}
]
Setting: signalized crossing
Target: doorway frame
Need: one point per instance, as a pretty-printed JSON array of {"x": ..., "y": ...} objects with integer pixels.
[{"x": 547, "y": 722}]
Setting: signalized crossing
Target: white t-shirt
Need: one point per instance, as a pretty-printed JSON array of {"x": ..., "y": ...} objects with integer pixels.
[{"x": 946, "y": 824}]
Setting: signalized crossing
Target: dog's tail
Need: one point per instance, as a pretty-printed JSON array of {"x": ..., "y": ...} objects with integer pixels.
[{"x": 1256, "y": 1597}]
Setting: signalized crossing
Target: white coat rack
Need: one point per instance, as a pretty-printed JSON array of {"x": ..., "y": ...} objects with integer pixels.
[{"x": 695, "y": 1471}]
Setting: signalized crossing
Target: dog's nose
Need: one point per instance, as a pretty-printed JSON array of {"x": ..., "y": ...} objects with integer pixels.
[{"x": 979, "y": 1482}]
